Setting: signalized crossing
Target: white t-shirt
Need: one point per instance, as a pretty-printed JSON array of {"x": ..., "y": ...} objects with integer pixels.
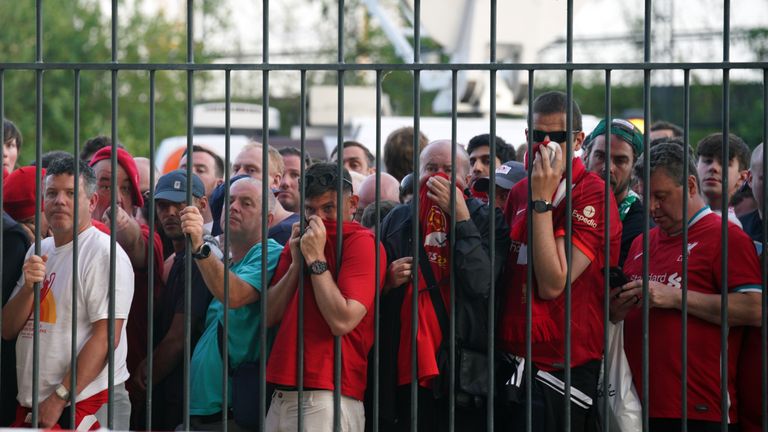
[{"x": 56, "y": 313}]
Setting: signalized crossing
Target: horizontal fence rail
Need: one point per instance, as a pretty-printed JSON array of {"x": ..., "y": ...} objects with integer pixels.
[{"x": 321, "y": 307}]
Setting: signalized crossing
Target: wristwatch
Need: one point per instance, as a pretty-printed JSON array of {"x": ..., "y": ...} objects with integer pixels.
[
  {"x": 318, "y": 267},
  {"x": 202, "y": 253},
  {"x": 62, "y": 393},
  {"x": 542, "y": 206}
]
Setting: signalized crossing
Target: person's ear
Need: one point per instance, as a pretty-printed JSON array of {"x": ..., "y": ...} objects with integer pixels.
[
  {"x": 202, "y": 203},
  {"x": 353, "y": 201},
  {"x": 578, "y": 140},
  {"x": 693, "y": 187},
  {"x": 743, "y": 177}
]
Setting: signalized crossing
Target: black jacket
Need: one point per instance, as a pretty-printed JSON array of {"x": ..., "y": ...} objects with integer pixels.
[
  {"x": 471, "y": 268},
  {"x": 15, "y": 245}
]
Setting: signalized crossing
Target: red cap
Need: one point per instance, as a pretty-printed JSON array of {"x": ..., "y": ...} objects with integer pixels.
[
  {"x": 126, "y": 161},
  {"x": 19, "y": 193}
]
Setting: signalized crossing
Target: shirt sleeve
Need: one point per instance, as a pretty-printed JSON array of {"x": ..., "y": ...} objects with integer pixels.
[
  {"x": 743, "y": 263},
  {"x": 95, "y": 283},
  {"x": 250, "y": 270},
  {"x": 357, "y": 279},
  {"x": 587, "y": 220}
]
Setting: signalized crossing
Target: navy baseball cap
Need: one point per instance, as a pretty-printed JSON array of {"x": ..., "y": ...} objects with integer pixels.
[
  {"x": 507, "y": 175},
  {"x": 173, "y": 187}
]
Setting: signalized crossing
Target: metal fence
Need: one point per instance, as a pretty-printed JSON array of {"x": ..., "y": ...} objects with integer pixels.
[{"x": 416, "y": 67}]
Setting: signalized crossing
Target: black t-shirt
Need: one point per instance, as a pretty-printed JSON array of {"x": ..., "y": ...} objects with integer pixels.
[
  {"x": 169, "y": 392},
  {"x": 752, "y": 225},
  {"x": 632, "y": 226},
  {"x": 15, "y": 245}
]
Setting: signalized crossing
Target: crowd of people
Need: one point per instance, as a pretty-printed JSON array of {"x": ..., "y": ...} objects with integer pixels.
[{"x": 469, "y": 239}]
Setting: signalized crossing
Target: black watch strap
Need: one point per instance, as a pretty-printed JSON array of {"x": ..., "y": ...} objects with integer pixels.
[{"x": 542, "y": 206}]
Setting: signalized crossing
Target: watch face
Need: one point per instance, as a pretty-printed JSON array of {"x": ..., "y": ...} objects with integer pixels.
[
  {"x": 541, "y": 206},
  {"x": 318, "y": 267}
]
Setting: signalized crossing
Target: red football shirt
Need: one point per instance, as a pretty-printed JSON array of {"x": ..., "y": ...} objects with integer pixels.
[
  {"x": 356, "y": 281},
  {"x": 665, "y": 325},
  {"x": 587, "y": 291}
]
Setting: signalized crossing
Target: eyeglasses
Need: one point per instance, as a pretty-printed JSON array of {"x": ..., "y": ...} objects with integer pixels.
[
  {"x": 554, "y": 136},
  {"x": 326, "y": 179}
]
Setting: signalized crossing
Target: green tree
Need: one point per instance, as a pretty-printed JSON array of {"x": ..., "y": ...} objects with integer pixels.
[{"x": 79, "y": 31}]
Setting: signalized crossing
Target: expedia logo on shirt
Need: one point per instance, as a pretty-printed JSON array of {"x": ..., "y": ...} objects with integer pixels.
[{"x": 586, "y": 216}]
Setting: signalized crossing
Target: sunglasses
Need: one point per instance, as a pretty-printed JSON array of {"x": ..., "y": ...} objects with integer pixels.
[
  {"x": 554, "y": 136},
  {"x": 327, "y": 179}
]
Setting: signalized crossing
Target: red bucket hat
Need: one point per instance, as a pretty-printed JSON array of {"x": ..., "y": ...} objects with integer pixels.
[{"x": 126, "y": 161}]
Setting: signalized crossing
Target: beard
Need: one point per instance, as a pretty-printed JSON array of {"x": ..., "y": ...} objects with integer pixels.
[{"x": 620, "y": 187}]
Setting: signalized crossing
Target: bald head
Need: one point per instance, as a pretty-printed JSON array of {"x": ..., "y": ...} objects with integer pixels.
[
  {"x": 143, "y": 165},
  {"x": 390, "y": 189},
  {"x": 436, "y": 157}
]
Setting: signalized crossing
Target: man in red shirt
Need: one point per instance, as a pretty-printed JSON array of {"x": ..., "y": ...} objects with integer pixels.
[
  {"x": 704, "y": 250},
  {"x": 338, "y": 301},
  {"x": 548, "y": 201},
  {"x": 133, "y": 237}
]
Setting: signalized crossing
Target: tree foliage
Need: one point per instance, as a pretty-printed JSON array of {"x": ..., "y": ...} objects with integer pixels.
[{"x": 79, "y": 31}]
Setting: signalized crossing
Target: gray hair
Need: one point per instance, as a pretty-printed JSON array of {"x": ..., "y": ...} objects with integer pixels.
[
  {"x": 669, "y": 157},
  {"x": 271, "y": 200}
]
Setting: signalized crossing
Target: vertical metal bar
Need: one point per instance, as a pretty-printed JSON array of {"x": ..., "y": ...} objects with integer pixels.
[
  {"x": 725, "y": 158},
  {"x": 302, "y": 223},
  {"x": 764, "y": 258},
  {"x": 415, "y": 228},
  {"x": 377, "y": 236},
  {"x": 112, "y": 230},
  {"x": 646, "y": 220},
  {"x": 492, "y": 233},
  {"x": 568, "y": 221},
  {"x": 75, "y": 251},
  {"x": 2, "y": 227},
  {"x": 265, "y": 189},
  {"x": 151, "y": 251},
  {"x": 188, "y": 240},
  {"x": 452, "y": 281},
  {"x": 339, "y": 211},
  {"x": 606, "y": 236},
  {"x": 529, "y": 269},
  {"x": 225, "y": 319},
  {"x": 684, "y": 271},
  {"x": 38, "y": 207}
]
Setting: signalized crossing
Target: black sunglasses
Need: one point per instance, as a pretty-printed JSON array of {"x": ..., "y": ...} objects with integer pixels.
[
  {"x": 326, "y": 179},
  {"x": 554, "y": 136}
]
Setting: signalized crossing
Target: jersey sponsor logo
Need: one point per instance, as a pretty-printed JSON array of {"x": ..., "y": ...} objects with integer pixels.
[
  {"x": 675, "y": 281},
  {"x": 583, "y": 218},
  {"x": 47, "y": 301}
]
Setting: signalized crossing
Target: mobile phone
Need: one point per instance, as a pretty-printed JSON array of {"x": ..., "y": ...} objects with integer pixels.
[{"x": 616, "y": 277}]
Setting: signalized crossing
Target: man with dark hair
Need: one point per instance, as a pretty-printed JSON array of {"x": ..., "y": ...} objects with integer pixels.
[
  {"x": 667, "y": 187},
  {"x": 167, "y": 378},
  {"x": 479, "y": 149},
  {"x": 210, "y": 170},
  {"x": 132, "y": 236},
  {"x": 53, "y": 270},
  {"x": 548, "y": 201},
  {"x": 95, "y": 144},
  {"x": 471, "y": 266},
  {"x": 289, "y": 184},
  {"x": 709, "y": 167},
  {"x": 626, "y": 145},
  {"x": 357, "y": 158},
  {"x": 11, "y": 145},
  {"x": 663, "y": 128},
  {"x": 398, "y": 151},
  {"x": 338, "y": 301}
]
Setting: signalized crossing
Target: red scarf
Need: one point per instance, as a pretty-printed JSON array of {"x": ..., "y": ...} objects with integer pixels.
[{"x": 433, "y": 229}]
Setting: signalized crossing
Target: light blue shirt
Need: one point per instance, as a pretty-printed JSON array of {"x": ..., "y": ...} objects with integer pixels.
[{"x": 243, "y": 336}]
